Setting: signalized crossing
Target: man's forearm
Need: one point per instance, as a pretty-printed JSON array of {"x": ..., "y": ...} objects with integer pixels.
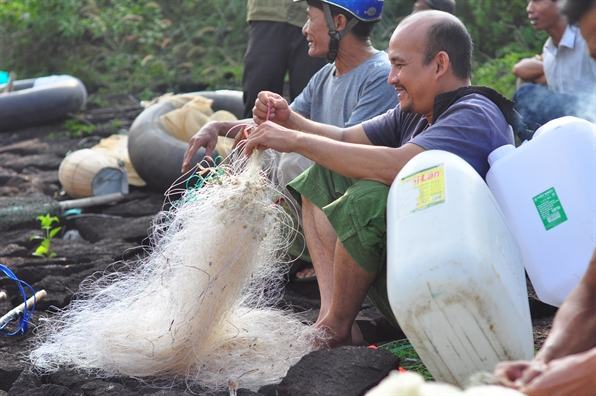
[
  {"x": 300, "y": 123},
  {"x": 354, "y": 160},
  {"x": 529, "y": 69},
  {"x": 574, "y": 326}
]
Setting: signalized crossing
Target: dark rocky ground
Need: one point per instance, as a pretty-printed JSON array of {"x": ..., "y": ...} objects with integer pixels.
[{"x": 29, "y": 161}]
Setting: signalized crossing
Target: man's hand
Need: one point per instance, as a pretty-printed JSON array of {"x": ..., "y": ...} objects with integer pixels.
[
  {"x": 508, "y": 373},
  {"x": 516, "y": 374},
  {"x": 205, "y": 137},
  {"x": 271, "y": 135},
  {"x": 573, "y": 375},
  {"x": 271, "y": 103}
]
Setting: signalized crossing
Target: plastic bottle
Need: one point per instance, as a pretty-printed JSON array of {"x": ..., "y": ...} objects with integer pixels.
[
  {"x": 4, "y": 76},
  {"x": 547, "y": 190},
  {"x": 455, "y": 279}
]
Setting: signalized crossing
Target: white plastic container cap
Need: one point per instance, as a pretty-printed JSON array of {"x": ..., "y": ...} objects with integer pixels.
[{"x": 500, "y": 152}]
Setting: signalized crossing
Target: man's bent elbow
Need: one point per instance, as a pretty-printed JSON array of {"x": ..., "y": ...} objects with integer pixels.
[{"x": 521, "y": 71}]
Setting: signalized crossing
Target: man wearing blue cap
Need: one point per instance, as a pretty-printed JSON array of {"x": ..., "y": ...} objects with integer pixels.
[{"x": 350, "y": 89}]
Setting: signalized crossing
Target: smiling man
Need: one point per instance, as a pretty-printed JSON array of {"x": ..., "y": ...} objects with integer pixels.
[{"x": 344, "y": 195}]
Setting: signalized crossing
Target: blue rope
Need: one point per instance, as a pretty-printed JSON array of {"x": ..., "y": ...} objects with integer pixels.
[{"x": 27, "y": 313}]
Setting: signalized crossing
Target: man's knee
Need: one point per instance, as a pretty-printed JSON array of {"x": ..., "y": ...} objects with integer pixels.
[
  {"x": 529, "y": 92},
  {"x": 359, "y": 218}
]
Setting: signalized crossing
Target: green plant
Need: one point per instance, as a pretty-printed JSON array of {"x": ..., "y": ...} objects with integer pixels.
[
  {"x": 47, "y": 222},
  {"x": 408, "y": 358},
  {"x": 148, "y": 47},
  {"x": 77, "y": 128},
  {"x": 497, "y": 73},
  {"x": 116, "y": 47},
  {"x": 499, "y": 26}
]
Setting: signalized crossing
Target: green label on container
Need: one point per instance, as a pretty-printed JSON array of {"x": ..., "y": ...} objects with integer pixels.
[{"x": 550, "y": 209}]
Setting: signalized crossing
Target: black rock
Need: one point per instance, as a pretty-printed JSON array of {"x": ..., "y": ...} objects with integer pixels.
[
  {"x": 137, "y": 204},
  {"x": 10, "y": 369},
  {"x": 46, "y": 390},
  {"x": 26, "y": 382},
  {"x": 95, "y": 227},
  {"x": 24, "y": 163},
  {"x": 342, "y": 371}
]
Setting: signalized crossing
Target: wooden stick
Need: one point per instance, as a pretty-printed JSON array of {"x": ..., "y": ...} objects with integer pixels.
[
  {"x": 91, "y": 201},
  {"x": 13, "y": 313}
]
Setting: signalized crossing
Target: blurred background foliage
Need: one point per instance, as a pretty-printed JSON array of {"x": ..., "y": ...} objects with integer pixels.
[{"x": 144, "y": 48}]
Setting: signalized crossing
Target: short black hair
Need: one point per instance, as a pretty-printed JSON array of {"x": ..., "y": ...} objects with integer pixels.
[
  {"x": 574, "y": 9},
  {"x": 362, "y": 30},
  {"x": 452, "y": 37}
]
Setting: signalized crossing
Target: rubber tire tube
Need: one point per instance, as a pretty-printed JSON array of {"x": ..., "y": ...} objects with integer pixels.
[{"x": 155, "y": 154}]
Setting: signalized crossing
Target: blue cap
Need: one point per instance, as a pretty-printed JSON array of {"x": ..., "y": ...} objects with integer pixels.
[{"x": 363, "y": 10}]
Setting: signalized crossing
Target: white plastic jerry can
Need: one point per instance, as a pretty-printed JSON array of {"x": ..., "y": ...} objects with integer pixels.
[
  {"x": 546, "y": 189},
  {"x": 455, "y": 279}
]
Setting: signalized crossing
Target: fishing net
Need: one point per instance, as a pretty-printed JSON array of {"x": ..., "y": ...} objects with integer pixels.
[
  {"x": 15, "y": 211},
  {"x": 199, "y": 307}
]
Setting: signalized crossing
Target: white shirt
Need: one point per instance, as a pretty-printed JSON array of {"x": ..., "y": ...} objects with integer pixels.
[{"x": 569, "y": 68}]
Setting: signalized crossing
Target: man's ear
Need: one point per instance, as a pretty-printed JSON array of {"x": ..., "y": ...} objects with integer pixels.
[
  {"x": 442, "y": 63},
  {"x": 340, "y": 22}
]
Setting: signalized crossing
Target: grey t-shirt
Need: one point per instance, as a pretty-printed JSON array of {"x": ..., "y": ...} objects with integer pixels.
[
  {"x": 343, "y": 101},
  {"x": 471, "y": 128},
  {"x": 349, "y": 99}
]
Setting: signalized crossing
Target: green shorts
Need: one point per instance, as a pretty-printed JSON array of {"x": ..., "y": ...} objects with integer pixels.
[{"x": 357, "y": 211}]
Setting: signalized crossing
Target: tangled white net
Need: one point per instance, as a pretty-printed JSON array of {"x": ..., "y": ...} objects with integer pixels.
[{"x": 199, "y": 307}]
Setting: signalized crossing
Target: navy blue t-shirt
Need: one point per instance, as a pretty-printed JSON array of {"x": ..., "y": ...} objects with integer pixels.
[{"x": 471, "y": 128}]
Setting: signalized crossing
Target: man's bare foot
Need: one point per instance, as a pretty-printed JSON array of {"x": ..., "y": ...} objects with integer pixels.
[{"x": 328, "y": 338}]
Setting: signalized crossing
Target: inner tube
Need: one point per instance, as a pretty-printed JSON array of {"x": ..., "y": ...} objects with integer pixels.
[
  {"x": 155, "y": 154},
  {"x": 38, "y": 101}
]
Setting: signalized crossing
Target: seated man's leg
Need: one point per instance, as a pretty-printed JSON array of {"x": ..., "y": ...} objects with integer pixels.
[
  {"x": 338, "y": 309},
  {"x": 344, "y": 222},
  {"x": 318, "y": 188},
  {"x": 350, "y": 286},
  {"x": 537, "y": 104},
  {"x": 320, "y": 240}
]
